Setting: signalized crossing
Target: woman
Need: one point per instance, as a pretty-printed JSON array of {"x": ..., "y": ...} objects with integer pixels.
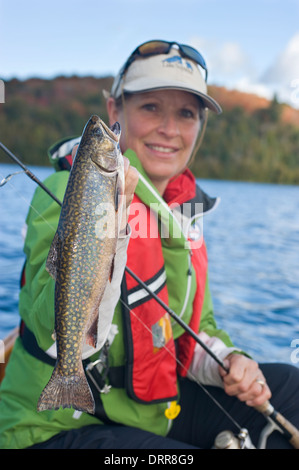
[{"x": 150, "y": 367}]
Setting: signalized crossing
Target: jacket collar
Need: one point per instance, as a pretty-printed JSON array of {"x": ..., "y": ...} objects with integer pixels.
[
  {"x": 180, "y": 190},
  {"x": 184, "y": 189}
]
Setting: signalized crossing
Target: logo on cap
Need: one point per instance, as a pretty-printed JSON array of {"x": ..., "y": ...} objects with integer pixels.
[{"x": 178, "y": 61}]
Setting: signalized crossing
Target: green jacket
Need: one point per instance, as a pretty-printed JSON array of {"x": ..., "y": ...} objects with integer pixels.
[{"x": 21, "y": 425}]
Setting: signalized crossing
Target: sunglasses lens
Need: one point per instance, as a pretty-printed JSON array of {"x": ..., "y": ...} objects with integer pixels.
[
  {"x": 194, "y": 55},
  {"x": 154, "y": 47}
]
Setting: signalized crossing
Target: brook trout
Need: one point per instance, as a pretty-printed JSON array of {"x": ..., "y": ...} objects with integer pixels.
[{"x": 81, "y": 260}]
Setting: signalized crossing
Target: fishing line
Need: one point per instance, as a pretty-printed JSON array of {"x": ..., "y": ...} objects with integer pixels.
[
  {"x": 29, "y": 173},
  {"x": 7, "y": 180},
  {"x": 177, "y": 319},
  {"x": 8, "y": 177},
  {"x": 189, "y": 374}
]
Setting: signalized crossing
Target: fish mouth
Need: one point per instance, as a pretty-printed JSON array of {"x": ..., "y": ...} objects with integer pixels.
[
  {"x": 113, "y": 132},
  {"x": 115, "y": 129},
  {"x": 104, "y": 169}
]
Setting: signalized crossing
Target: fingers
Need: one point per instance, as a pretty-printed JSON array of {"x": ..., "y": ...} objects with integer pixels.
[
  {"x": 245, "y": 381},
  {"x": 131, "y": 180},
  {"x": 260, "y": 393},
  {"x": 74, "y": 151}
]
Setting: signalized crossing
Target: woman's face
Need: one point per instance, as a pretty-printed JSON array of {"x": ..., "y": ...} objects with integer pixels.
[{"x": 161, "y": 127}]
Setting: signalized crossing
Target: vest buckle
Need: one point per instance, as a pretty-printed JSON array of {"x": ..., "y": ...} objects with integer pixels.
[{"x": 97, "y": 371}]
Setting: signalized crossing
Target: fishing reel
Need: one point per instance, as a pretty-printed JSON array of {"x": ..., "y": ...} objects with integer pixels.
[{"x": 228, "y": 440}]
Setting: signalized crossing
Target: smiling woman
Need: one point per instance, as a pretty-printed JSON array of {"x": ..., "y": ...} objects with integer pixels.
[{"x": 160, "y": 98}]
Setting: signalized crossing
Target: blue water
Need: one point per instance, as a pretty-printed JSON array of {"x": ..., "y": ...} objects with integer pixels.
[{"x": 253, "y": 245}]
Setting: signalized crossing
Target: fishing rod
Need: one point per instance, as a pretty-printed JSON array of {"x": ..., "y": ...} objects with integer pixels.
[
  {"x": 29, "y": 173},
  {"x": 171, "y": 313},
  {"x": 177, "y": 319},
  {"x": 275, "y": 419}
]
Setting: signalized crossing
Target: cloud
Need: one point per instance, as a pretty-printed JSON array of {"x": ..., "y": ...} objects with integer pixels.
[
  {"x": 283, "y": 75},
  {"x": 247, "y": 85},
  {"x": 286, "y": 66},
  {"x": 227, "y": 60},
  {"x": 230, "y": 59},
  {"x": 229, "y": 65}
]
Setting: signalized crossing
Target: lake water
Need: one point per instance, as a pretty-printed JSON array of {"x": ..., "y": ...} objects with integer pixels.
[{"x": 253, "y": 245}]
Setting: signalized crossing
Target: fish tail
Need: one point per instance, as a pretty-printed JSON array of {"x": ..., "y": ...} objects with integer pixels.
[{"x": 67, "y": 392}]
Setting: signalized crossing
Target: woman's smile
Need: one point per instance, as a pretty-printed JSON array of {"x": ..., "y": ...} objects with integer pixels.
[{"x": 165, "y": 151}]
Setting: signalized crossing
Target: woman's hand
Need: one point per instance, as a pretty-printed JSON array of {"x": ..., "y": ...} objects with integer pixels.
[
  {"x": 245, "y": 380},
  {"x": 131, "y": 180}
]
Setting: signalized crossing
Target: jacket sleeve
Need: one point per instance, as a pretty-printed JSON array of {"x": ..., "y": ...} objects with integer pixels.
[{"x": 203, "y": 367}]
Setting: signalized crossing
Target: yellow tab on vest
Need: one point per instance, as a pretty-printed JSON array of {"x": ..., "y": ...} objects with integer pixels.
[{"x": 173, "y": 411}]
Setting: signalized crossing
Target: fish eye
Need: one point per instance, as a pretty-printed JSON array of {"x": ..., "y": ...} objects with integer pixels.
[{"x": 97, "y": 131}]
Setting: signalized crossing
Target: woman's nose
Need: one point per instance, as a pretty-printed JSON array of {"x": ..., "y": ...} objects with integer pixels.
[{"x": 169, "y": 126}]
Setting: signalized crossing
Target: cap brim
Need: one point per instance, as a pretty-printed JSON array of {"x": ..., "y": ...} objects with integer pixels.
[{"x": 138, "y": 86}]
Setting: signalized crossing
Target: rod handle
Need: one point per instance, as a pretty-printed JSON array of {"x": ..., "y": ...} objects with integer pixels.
[{"x": 268, "y": 410}]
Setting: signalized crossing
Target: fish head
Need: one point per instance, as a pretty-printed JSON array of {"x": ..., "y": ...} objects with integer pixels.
[{"x": 103, "y": 143}]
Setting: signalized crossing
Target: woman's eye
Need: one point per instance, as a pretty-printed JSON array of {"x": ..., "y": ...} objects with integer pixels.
[
  {"x": 149, "y": 107},
  {"x": 187, "y": 113}
]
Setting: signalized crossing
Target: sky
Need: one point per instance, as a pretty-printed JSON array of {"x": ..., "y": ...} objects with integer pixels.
[{"x": 249, "y": 45}]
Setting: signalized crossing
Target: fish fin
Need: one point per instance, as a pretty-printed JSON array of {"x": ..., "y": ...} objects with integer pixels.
[
  {"x": 92, "y": 333},
  {"x": 118, "y": 194},
  {"x": 51, "y": 263},
  {"x": 111, "y": 269},
  {"x": 67, "y": 392}
]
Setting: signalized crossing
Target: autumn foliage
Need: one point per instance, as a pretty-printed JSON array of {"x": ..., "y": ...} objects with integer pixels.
[{"x": 253, "y": 139}]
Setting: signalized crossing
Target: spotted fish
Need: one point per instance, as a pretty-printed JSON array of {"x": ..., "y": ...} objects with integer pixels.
[{"x": 81, "y": 260}]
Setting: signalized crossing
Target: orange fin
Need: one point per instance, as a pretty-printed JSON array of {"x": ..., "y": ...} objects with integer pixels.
[
  {"x": 111, "y": 269},
  {"x": 92, "y": 333}
]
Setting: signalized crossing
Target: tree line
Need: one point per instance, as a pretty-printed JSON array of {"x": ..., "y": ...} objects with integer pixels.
[{"x": 238, "y": 145}]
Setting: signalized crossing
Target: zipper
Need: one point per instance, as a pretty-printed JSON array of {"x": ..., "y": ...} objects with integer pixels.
[{"x": 188, "y": 289}]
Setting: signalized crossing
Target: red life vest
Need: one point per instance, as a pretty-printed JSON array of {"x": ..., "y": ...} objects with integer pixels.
[
  {"x": 151, "y": 370},
  {"x": 151, "y": 367}
]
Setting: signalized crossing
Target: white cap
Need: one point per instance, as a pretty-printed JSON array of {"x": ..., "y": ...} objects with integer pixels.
[{"x": 164, "y": 71}]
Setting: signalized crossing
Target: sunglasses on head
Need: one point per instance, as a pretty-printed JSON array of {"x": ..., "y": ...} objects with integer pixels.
[{"x": 157, "y": 47}]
